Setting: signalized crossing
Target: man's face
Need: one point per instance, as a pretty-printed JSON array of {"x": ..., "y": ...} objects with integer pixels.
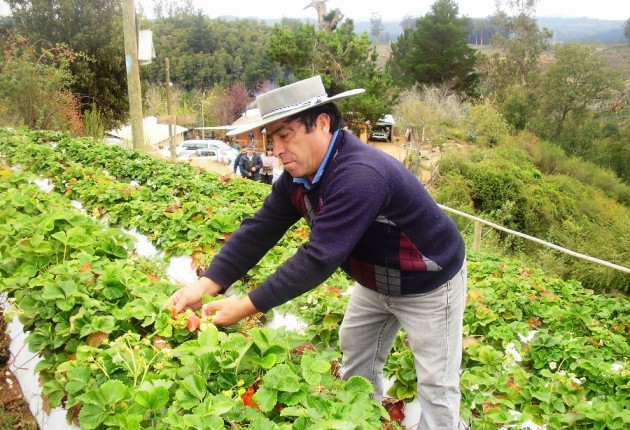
[{"x": 301, "y": 153}]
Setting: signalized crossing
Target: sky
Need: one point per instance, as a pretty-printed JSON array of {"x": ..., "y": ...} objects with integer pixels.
[{"x": 394, "y": 10}]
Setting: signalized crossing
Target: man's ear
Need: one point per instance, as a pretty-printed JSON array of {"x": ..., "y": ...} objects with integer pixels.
[{"x": 323, "y": 121}]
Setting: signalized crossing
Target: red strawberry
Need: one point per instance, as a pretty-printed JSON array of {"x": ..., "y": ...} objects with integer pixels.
[
  {"x": 395, "y": 408},
  {"x": 248, "y": 398},
  {"x": 173, "y": 310},
  {"x": 193, "y": 323},
  {"x": 302, "y": 348}
]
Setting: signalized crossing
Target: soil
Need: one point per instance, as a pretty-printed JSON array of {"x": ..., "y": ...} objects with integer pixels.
[{"x": 14, "y": 410}]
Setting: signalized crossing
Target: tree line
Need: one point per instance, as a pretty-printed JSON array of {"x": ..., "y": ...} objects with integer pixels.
[
  {"x": 567, "y": 94},
  {"x": 64, "y": 69}
]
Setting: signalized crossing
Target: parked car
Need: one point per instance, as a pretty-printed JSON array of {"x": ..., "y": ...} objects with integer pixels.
[
  {"x": 379, "y": 134},
  {"x": 220, "y": 155},
  {"x": 223, "y": 150}
]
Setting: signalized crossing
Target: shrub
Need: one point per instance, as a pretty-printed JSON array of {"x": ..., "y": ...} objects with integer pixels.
[
  {"x": 34, "y": 85},
  {"x": 502, "y": 185},
  {"x": 551, "y": 160},
  {"x": 487, "y": 124},
  {"x": 93, "y": 123},
  {"x": 433, "y": 109}
]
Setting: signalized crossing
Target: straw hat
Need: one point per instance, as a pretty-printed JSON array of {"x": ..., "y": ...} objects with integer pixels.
[{"x": 291, "y": 99}]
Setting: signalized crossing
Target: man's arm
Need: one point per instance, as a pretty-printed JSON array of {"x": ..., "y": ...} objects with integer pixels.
[
  {"x": 253, "y": 239},
  {"x": 242, "y": 167},
  {"x": 237, "y": 162},
  {"x": 258, "y": 162}
]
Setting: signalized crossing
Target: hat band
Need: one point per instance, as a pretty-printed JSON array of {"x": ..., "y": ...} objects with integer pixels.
[{"x": 313, "y": 101}]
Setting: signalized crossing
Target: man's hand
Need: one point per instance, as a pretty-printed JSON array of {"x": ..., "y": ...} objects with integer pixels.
[
  {"x": 228, "y": 311},
  {"x": 190, "y": 295}
]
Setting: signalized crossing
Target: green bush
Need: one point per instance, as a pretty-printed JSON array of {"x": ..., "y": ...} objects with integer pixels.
[
  {"x": 487, "y": 124},
  {"x": 504, "y": 186},
  {"x": 551, "y": 159}
]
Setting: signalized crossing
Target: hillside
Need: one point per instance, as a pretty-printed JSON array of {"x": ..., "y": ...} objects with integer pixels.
[{"x": 584, "y": 30}]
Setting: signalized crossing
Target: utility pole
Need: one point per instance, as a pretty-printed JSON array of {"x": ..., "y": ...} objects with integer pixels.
[
  {"x": 133, "y": 74},
  {"x": 169, "y": 108}
]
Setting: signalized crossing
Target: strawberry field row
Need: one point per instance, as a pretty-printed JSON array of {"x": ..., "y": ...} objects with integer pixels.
[{"x": 537, "y": 349}]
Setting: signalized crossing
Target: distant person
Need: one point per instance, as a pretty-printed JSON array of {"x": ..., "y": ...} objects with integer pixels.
[
  {"x": 237, "y": 161},
  {"x": 251, "y": 137},
  {"x": 268, "y": 164},
  {"x": 250, "y": 163}
]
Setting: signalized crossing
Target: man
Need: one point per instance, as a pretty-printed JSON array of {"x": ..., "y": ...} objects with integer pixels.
[
  {"x": 250, "y": 163},
  {"x": 237, "y": 160},
  {"x": 368, "y": 215}
]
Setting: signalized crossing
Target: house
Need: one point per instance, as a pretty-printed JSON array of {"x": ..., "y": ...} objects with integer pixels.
[{"x": 260, "y": 139}]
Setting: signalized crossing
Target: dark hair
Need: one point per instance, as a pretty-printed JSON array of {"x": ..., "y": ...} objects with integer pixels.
[
  {"x": 269, "y": 148},
  {"x": 309, "y": 116}
]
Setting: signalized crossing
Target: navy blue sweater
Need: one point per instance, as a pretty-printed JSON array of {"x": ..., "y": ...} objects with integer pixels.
[{"x": 368, "y": 214}]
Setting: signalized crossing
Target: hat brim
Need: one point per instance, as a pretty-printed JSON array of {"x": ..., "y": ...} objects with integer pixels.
[{"x": 257, "y": 123}]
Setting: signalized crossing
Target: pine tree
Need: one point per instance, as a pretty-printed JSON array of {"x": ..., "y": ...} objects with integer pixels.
[{"x": 436, "y": 51}]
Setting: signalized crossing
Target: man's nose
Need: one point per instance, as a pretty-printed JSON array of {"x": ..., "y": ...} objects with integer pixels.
[{"x": 278, "y": 149}]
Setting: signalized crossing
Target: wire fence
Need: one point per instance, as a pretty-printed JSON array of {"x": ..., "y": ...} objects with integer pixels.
[{"x": 477, "y": 239}]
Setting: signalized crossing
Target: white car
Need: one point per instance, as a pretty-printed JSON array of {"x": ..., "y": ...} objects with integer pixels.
[
  {"x": 219, "y": 155},
  {"x": 198, "y": 144}
]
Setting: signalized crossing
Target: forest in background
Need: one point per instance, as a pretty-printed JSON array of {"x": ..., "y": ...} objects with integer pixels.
[{"x": 549, "y": 122}]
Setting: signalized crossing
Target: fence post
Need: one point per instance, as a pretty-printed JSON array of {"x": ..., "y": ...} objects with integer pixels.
[{"x": 477, "y": 241}]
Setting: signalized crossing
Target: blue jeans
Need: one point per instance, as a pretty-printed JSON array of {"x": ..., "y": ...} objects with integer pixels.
[{"x": 433, "y": 322}]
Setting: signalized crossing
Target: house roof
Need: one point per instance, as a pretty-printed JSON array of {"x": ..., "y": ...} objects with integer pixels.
[
  {"x": 250, "y": 116},
  {"x": 154, "y": 133},
  {"x": 386, "y": 120}
]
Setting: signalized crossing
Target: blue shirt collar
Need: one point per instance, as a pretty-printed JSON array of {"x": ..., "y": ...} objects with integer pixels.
[{"x": 308, "y": 184}]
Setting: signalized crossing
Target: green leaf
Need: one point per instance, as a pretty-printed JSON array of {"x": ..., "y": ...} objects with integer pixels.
[
  {"x": 215, "y": 406},
  {"x": 152, "y": 400},
  {"x": 293, "y": 398},
  {"x": 266, "y": 362},
  {"x": 359, "y": 384},
  {"x": 294, "y": 411},
  {"x": 203, "y": 422},
  {"x": 210, "y": 336},
  {"x": 124, "y": 421},
  {"x": 113, "y": 391},
  {"x": 266, "y": 398},
  {"x": 52, "y": 293},
  {"x": 78, "y": 379},
  {"x": 36, "y": 244},
  {"x": 61, "y": 237},
  {"x": 91, "y": 416},
  {"x": 55, "y": 393},
  {"x": 281, "y": 378},
  {"x": 104, "y": 323},
  {"x": 313, "y": 368},
  {"x": 192, "y": 391}
]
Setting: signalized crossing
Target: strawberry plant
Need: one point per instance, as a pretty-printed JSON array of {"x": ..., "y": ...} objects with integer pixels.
[{"x": 536, "y": 348}]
